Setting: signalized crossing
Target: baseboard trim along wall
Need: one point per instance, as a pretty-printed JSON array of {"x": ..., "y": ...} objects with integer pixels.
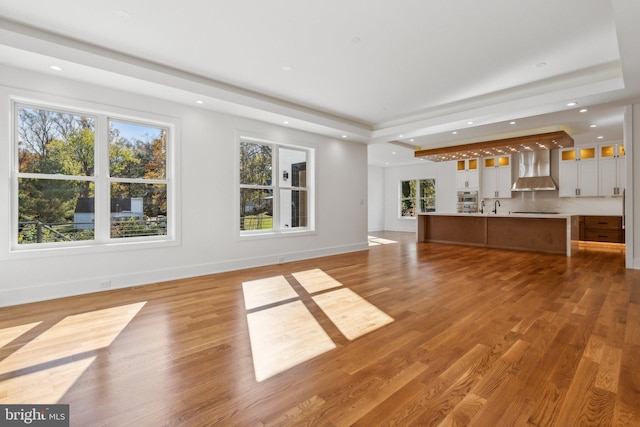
[{"x": 89, "y": 285}]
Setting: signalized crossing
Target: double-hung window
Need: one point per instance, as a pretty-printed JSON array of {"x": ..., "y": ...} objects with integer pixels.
[
  {"x": 276, "y": 183},
  {"x": 88, "y": 178},
  {"x": 417, "y": 196}
]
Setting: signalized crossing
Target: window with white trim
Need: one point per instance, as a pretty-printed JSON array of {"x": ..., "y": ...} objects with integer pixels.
[
  {"x": 417, "y": 196},
  {"x": 88, "y": 178},
  {"x": 275, "y": 187}
]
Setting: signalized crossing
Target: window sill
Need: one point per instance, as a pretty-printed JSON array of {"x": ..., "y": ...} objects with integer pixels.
[
  {"x": 86, "y": 249},
  {"x": 275, "y": 234}
]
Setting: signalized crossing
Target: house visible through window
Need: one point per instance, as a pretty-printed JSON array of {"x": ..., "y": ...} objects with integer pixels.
[
  {"x": 275, "y": 190},
  {"x": 137, "y": 175},
  {"x": 65, "y": 195},
  {"x": 417, "y": 196}
]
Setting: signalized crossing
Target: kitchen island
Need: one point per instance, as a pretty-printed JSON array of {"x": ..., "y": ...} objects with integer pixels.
[{"x": 549, "y": 233}]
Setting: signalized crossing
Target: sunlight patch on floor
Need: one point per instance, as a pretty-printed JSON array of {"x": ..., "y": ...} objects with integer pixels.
[
  {"x": 9, "y": 334},
  {"x": 287, "y": 334},
  {"x": 353, "y": 315},
  {"x": 46, "y": 386},
  {"x": 283, "y": 337},
  {"x": 258, "y": 293},
  {"x": 315, "y": 280},
  {"x": 51, "y": 363},
  {"x": 377, "y": 241}
]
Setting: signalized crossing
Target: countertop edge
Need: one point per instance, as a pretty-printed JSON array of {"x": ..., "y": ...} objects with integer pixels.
[{"x": 500, "y": 215}]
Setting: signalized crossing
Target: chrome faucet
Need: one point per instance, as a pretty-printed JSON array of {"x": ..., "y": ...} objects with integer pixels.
[
  {"x": 495, "y": 206},
  {"x": 482, "y": 207}
]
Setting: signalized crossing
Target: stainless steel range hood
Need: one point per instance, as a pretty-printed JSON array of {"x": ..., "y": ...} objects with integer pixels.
[{"x": 534, "y": 172}]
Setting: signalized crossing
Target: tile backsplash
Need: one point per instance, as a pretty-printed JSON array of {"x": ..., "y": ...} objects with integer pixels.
[{"x": 548, "y": 201}]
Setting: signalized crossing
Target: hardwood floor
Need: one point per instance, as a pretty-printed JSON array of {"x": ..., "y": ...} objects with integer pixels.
[{"x": 478, "y": 337}]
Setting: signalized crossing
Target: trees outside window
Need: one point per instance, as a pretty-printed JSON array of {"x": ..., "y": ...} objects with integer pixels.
[
  {"x": 427, "y": 195},
  {"x": 138, "y": 172},
  {"x": 56, "y": 167},
  {"x": 274, "y": 187},
  {"x": 256, "y": 186},
  {"x": 417, "y": 196},
  {"x": 62, "y": 193},
  {"x": 408, "y": 198}
]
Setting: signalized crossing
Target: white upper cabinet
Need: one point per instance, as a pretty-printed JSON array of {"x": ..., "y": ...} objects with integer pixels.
[
  {"x": 612, "y": 169},
  {"x": 578, "y": 172},
  {"x": 496, "y": 177},
  {"x": 467, "y": 175}
]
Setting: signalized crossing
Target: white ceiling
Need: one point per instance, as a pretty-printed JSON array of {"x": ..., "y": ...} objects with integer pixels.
[{"x": 368, "y": 71}]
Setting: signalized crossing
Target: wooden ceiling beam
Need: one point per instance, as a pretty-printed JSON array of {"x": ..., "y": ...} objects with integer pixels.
[{"x": 549, "y": 140}]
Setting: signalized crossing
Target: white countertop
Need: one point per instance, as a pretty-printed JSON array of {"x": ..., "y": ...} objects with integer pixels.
[{"x": 502, "y": 215}]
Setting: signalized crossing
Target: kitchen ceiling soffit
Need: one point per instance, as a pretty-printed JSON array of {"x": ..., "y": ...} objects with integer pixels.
[{"x": 519, "y": 144}]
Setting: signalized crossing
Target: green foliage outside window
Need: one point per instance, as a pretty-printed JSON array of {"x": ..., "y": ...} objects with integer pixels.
[
  {"x": 419, "y": 193},
  {"x": 256, "y": 192},
  {"x": 56, "y": 166}
]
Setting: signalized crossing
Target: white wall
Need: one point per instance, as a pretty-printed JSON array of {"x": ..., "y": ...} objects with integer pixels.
[
  {"x": 209, "y": 239},
  {"x": 376, "y": 198},
  {"x": 443, "y": 172}
]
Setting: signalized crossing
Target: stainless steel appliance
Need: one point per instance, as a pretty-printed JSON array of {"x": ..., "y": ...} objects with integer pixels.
[
  {"x": 467, "y": 201},
  {"x": 534, "y": 171}
]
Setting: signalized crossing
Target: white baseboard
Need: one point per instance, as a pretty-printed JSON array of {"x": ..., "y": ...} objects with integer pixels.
[
  {"x": 376, "y": 229},
  {"x": 89, "y": 285},
  {"x": 402, "y": 229}
]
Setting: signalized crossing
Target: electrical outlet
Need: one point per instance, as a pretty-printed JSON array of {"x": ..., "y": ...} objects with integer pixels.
[{"x": 105, "y": 284}]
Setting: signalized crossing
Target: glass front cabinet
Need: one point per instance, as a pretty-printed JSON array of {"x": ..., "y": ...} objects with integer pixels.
[
  {"x": 496, "y": 177},
  {"x": 612, "y": 175}
]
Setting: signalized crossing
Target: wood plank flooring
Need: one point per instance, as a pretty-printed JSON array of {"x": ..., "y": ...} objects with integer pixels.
[{"x": 478, "y": 337}]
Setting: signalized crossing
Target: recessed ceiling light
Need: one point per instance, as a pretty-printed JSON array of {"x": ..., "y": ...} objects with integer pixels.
[
  {"x": 386, "y": 163},
  {"x": 285, "y": 122},
  {"x": 400, "y": 136},
  {"x": 55, "y": 68},
  {"x": 512, "y": 123},
  {"x": 393, "y": 152},
  {"x": 344, "y": 136},
  {"x": 287, "y": 68},
  {"x": 572, "y": 104},
  {"x": 411, "y": 140},
  {"x": 469, "y": 123},
  {"x": 199, "y": 101},
  {"x": 454, "y": 133},
  {"x": 600, "y": 137},
  {"x": 584, "y": 110},
  {"x": 593, "y": 126}
]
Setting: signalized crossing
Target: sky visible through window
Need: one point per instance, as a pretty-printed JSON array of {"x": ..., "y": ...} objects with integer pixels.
[{"x": 134, "y": 132}]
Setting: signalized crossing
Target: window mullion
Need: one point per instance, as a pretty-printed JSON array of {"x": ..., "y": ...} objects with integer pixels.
[
  {"x": 102, "y": 198},
  {"x": 275, "y": 183}
]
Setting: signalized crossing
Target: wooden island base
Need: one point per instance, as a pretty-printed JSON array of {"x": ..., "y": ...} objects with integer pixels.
[{"x": 556, "y": 234}]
